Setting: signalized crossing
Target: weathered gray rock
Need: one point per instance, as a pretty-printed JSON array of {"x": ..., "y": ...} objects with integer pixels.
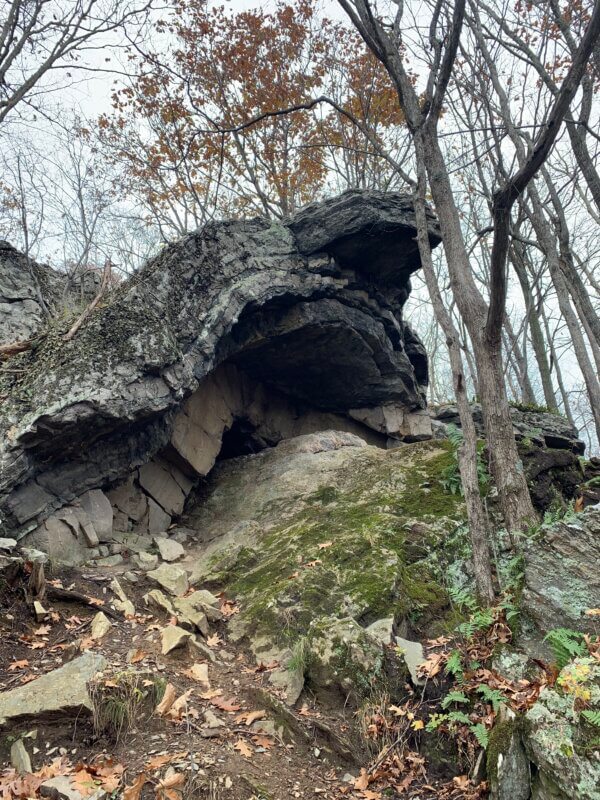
[
  {"x": 100, "y": 626},
  {"x": 413, "y": 655},
  {"x": 60, "y": 692},
  {"x": 562, "y": 579},
  {"x": 19, "y": 757},
  {"x": 169, "y": 549},
  {"x": 556, "y": 736},
  {"x": 99, "y": 510},
  {"x": 8, "y": 545},
  {"x": 172, "y": 638},
  {"x": 172, "y": 578},
  {"x": 62, "y": 787},
  {"x": 91, "y": 410}
]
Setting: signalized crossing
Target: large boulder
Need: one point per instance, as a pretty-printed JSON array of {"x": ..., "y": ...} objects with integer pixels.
[
  {"x": 560, "y": 738},
  {"x": 323, "y": 536},
  {"x": 562, "y": 580},
  {"x": 316, "y": 320}
]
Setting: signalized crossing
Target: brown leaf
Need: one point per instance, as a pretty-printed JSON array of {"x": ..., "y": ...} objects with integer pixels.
[
  {"x": 225, "y": 705},
  {"x": 362, "y": 781},
  {"x": 18, "y": 665},
  {"x": 178, "y": 707},
  {"x": 214, "y": 640},
  {"x": 167, "y": 700},
  {"x": 43, "y": 630},
  {"x": 198, "y": 672},
  {"x": 248, "y": 717},
  {"x": 134, "y": 790},
  {"x": 242, "y": 747},
  {"x": 159, "y": 761},
  {"x": 324, "y": 545},
  {"x": 263, "y": 741},
  {"x": 137, "y": 656}
]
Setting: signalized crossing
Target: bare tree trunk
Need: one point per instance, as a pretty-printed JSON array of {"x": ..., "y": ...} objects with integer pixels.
[
  {"x": 555, "y": 362},
  {"x": 505, "y": 463},
  {"x": 520, "y": 366},
  {"x": 478, "y": 528},
  {"x": 547, "y": 242},
  {"x": 537, "y": 337}
]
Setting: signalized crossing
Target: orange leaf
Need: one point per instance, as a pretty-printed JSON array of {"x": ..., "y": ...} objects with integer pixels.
[
  {"x": 134, "y": 790},
  {"x": 242, "y": 747},
  {"x": 167, "y": 700},
  {"x": 18, "y": 665},
  {"x": 138, "y": 655}
]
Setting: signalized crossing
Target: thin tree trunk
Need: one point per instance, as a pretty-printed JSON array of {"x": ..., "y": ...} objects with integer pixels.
[
  {"x": 559, "y": 379},
  {"x": 547, "y": 242},
  {"x": 537, "y": 337},
  {"x": 505, "y": 463},
  {"x": 478, "y": 528}
]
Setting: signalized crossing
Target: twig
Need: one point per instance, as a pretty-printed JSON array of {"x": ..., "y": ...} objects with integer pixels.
[
  {"x": 12, "y": 349},
  {"x": 54, "y": 593},
  {"x": 88, "y": 310}
]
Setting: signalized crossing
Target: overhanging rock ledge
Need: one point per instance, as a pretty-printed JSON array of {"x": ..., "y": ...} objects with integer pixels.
[{"x": 235, "y": 337}]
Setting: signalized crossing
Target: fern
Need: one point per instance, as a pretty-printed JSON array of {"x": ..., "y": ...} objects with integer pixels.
[
  {"x": 463, "y": 598},
  {"x": 566, "y": 645},
  {"x": 479, "y": 621},
  {"x": 454, "y": 664},
  {"x": 479, "y": 731},
  {"x": 492, "y": 696},
  {"x": 454, "y": 697},
  {"x": 593, "y": 717},
  {"x": 459, "y": 716}
]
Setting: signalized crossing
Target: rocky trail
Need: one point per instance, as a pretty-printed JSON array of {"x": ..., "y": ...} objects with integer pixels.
[{"x": 201, "y": 720}]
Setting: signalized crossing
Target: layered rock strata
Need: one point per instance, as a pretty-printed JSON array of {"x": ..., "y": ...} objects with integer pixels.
[{"x": 237, "y": 336}]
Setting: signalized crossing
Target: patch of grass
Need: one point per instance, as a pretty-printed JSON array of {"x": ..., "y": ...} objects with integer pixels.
[{"x": 120, "y": 700}]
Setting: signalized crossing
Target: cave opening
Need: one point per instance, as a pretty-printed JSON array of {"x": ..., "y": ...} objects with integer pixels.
[{"x": 240, "y": 440}]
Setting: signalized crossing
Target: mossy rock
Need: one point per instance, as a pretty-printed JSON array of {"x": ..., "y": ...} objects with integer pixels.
[
  {"x": 355, "y": 533},
  {"x": 558, "y": 738}
]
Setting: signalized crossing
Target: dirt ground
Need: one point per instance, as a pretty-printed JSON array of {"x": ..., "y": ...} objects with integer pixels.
[{"x": 316, "y": 753}]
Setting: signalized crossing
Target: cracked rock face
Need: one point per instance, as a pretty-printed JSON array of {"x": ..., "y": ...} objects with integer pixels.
[{"x": 238, "y": 335}]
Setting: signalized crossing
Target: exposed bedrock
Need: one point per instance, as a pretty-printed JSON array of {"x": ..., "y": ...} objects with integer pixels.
[{"x": 237, "y": 336}]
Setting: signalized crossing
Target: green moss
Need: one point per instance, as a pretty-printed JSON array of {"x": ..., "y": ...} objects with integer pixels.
[{"x": 499, "y": 743}]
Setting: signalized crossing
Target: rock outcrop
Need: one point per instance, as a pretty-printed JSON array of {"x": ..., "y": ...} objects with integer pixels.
[
  {"x": 548, "y": 444},
  {"x": 373, "y": 526},
  {"x": 235, "y": 337}
]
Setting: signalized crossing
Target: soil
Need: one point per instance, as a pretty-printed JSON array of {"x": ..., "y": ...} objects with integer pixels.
[{"x": 240, "y": 763}]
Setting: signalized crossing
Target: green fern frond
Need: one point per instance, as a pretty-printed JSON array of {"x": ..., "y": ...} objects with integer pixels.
[
  {"x": 566, "y": 645},
  {"x": 494, "y": 697},
  {"x": 480, "y": 733},
  {"x": 593, "y": 717},
  {"x": 454, "y": 697}
]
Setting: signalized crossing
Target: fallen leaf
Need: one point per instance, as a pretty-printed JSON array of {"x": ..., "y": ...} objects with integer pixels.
[
  {"x": 417, "y": 725},
  {"x": 137, "y": 656},
  {"x": 198, "y": 672},
  {"x": 167, "y": 700},
  {"x": 293, "y": 575},
  {"x": 370, "y": 795},
  {"x": 28, "y": 678},
  {"x": 248, "y": 717},
  {"x": 263, "y": 741},
  {"x": 95, "y": 601},
  {"x": 242, "y": 747},
  {"x": 37, "y": 646},
  {"x": 43, "y": 630},
  {"x": 214, "y": 640},
  {"x": 225, "y": 705},
  {"x": 134, "y": 790},
  {"x": 313, "y": 563},
  {"x": 324, "y": 545},
  {"x": 178, "y": 707},
  {"x": 18, "y": 665},
  {"x": 172, "y": 779},
  {"x": 362, "y": 781},
  {"x": 229, "y": 608}
]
